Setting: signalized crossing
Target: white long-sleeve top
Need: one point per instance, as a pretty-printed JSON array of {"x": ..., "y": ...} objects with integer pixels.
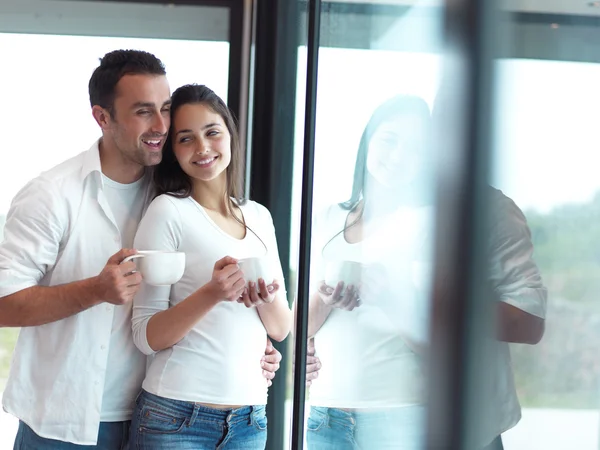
[{"x": 218, "y": 361}]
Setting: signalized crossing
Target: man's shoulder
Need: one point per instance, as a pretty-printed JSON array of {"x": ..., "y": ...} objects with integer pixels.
[
  {"x": 56, "y": 184},
  {"x": 66, "y": 170},
  {"x": 501, "y": 206}
]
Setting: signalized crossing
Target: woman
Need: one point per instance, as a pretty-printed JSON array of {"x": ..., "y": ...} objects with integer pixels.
[
  {"x": 369, "y": 330},
  {"x": 204, "y": 387}
]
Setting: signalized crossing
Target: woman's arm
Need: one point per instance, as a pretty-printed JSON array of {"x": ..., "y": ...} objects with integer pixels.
[
  {"x": 318, "y": 312},
  {"x": 271, "y": 300},
  {"x": 276, "y": 315},
  {"x": 156, "y": 324},
  {"x": 168, "y": 327}
]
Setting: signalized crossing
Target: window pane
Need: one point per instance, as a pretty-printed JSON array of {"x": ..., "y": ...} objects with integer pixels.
[{"x": 372, "y": 222}]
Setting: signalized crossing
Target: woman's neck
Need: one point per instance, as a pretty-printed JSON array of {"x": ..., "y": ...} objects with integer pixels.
[
  {"x": 381, "y": 200},
  {"x": 212, "y": 195}
]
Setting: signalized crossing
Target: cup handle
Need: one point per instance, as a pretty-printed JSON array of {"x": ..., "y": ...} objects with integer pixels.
[{"x": 129, "y": 258}]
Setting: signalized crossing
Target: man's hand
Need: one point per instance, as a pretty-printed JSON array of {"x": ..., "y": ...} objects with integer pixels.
[
  {"x": 270, "y": 362},
  {"x": 118, "y": 283},
  {"x": 313, "y": 363}
]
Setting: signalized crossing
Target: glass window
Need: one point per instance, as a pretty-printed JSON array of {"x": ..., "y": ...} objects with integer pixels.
[{"x": 372, "y": 222}]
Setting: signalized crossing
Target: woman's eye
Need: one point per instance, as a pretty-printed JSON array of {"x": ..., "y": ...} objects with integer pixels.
[
  {"x": 183, "y": 140},
  {"x": 212, "y": 133}
]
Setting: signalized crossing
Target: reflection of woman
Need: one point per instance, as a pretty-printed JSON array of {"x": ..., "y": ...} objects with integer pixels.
[
  {"x": 368, "y": 333},
  {"x": 204, "y": 385}
]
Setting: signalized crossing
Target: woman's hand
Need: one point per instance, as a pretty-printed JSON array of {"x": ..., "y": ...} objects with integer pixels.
[
  {"x": 227, "y": 282},
  {"x": 337, "y": 297},
  {"x": 256, "y": 294}
]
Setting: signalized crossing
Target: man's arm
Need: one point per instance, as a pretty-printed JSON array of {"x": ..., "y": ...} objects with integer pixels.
[
  {"x": 516, "y": 282},
  {"x": 35, "y": 227},
  {"x": 516, "y": 326},
  {"x": 39, "y": 305}
]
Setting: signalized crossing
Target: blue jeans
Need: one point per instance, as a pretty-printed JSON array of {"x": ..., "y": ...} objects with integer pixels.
[
  {"x": 112, "y": 436},
  {"x": 400, "y": 428},
  {"x": 162, "y": 424}
]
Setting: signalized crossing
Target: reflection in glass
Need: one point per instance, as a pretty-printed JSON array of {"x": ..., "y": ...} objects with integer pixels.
[
  {"x": 515, "y": 285},
  {"x": 368, "y": 314}
]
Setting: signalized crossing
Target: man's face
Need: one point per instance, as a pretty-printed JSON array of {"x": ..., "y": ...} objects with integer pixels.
[{"x": 140, "y": 118}]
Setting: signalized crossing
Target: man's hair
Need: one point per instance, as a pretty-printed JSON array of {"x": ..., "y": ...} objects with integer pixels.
[{"x": 113, "y": 66}]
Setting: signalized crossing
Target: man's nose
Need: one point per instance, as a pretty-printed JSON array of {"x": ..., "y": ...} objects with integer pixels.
[{"x": 160, "y": 124}]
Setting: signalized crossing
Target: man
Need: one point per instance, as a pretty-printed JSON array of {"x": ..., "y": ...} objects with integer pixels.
[{"x": 76, "y": 371}]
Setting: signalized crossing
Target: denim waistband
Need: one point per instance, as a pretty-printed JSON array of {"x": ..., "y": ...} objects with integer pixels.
[{"x": 185, "y": 408}]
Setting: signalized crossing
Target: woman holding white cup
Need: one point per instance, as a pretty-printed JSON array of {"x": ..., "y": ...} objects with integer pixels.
[
  {"x": 367, "y": 315},
  {"x": 204, "y": 385}
]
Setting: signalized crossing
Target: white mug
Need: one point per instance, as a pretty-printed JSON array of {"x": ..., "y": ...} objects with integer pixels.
[
  {"x": 159, "y": 268},
  {"x": 350, "y": 272},
  {"x": 255, "y": 268}
]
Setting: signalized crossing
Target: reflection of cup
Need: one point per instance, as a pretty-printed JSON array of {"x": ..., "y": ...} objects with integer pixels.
[
  {"x": 255, "y": 268},
  {"x": 350, "y": 272},
  {"x": 159, "y": 268}
]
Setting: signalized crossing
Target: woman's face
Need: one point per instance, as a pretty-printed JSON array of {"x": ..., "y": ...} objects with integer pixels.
[
  {"x": 201, "y": 142},
  {"x": 395, "y": 152}
]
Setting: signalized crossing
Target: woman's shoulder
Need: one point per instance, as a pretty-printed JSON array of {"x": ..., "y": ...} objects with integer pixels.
[
  {"x": 255, "y": 210},
  {"x": 167, "y": 203}
]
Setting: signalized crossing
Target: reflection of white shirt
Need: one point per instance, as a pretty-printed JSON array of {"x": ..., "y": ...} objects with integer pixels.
[
  {"x": 218, "y": 361},
  {"x": 60, "y": 229},
  {"x": 366, "y": 361},
  {"x": 514, "y": 279}
]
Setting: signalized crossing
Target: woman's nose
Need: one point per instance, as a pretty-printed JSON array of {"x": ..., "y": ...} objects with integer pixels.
[{"x": 200, "y": 146}]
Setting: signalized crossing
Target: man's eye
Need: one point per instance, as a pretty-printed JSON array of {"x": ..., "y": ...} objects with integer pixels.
[{"x": 143, "y": 112}]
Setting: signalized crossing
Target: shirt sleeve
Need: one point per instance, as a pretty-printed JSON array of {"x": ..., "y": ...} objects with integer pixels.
[
  {"x": 514, "y": 275},
  {"x": 33, "y": 233},
  {"x": 160, "y": 229},
  {"x": 272, "y": 248}
]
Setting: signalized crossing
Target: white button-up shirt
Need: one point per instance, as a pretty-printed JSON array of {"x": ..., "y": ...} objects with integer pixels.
[{"x": 60, "y": 229}]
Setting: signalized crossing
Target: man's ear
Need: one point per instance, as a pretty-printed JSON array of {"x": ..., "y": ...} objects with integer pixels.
[{"x": 101, "y": 116}]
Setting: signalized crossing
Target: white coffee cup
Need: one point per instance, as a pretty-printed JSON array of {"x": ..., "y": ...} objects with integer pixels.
[
  {"x": 159, "y": 268},
  {"x": 255, "y": 268},
  {"x": 349, "y": 272}
]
